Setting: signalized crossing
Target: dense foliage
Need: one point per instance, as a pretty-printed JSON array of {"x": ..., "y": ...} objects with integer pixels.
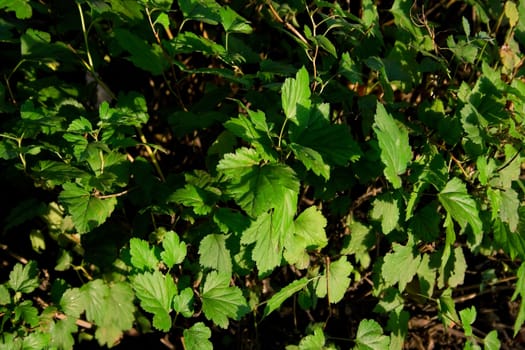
[{"x": 259, "y": 174}]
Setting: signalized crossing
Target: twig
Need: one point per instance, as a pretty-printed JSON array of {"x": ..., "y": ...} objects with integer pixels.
[{"x": 14, "y": 255}]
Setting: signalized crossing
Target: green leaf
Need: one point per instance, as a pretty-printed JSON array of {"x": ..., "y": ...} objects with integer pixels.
[
  {"x": 491, "y": 341},
  {"x": 24, "y": 279},
  {"x": 156, "y": 292},
  {"x": 232, "y": 22},
  {"x": 257, "y": 187},
  {"x": 311, "y": 159},
  {"x": 458, "y": 203},
  {"x": 110, "y": 307},
  {"x": 296, "y": 93},
  {"x": 72, "y": 302},
  {"x": 512, "y": 242},
  {"x": 393, "y": 142},
  {"x": 87, "y": 210},
  {"x": 5, "y": 298},
  {"x": 406, "y": 257},
  {"x": 183, "y": 303},
  {"x": 315, "y": 341},
  {"x": 220, "y": 301},
  {"x": 201, "y": 200},
  {"x": 214, "y": 254},
  {"x": 370, "y": 336},
  {"x": 174, "y": 250},
  {"x": 335, "y": 280},
  {"x": 142, "y": 255},
  {"x": 22, "y": 8},
  {"x": 468, "y": 316},
  {"x": 27, "y": 313},
  {"x": 315, "y": 131},
  {"x": 286, "y": 292},
  {"x": 61, "y": 333},
  {"x": 447, "y": 308},
  {"x": 386, "y": 209},
  {"x": 197, "y": 337},
  {"x": 310, "y": 226},
  {"x": 361, "y": 240},
  {"x": 206, "y": 11},
  {"x": 326, "y": 44}
]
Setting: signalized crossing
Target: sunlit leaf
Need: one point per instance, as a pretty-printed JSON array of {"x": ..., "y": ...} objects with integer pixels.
[{"x": 197, "y": 337}]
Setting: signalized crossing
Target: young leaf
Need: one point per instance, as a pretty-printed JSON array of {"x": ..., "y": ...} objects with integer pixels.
[
  {"x": 393, "y": 142},
  {"x": 370, "y": 336},
  {"x": 458, "y": 203},
  {"x": 386, "y": 209},
  {"x": 155, "y": 292},
  {"x": 142, "y": 255},
  {"x": 468, "y": 316},
  {"x": 310, "y": 227},
  {"x": 335, "y": 280},
  {"x": 361, "y": 239},
  {"x": 296, "y": 92},
  {"x": 220, "y": 301},
  {"x": 401, "y": 265},
  {"x": 214, "y": 254},
  {"x": 311, "y": 159},
  {"x": 24, "y": 279},
  {"x": 87, "y": 210},
  {"x": 197, "y": 337},
  {"x": 183, "y": 303},
  {"x": 278, "y": 298},
  {"x": 491, "y": 341},
  {"x": 174, "y": 250}
]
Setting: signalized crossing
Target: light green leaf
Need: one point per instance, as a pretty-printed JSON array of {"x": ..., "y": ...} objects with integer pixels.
[
  {"x": 326, "y": 44},
  {"x": 27, "y": 313},
  {"x": 468, "y": 316},
  {"x": 393, "y": 142},
  {"x": 220, "y": 301},
  {"x": 197, "y": 337},
  {"x": 315, "y": 341},
  {"x": 36, "y": 341},
  {"x": 311, "y": 159},
  {"x": 458, "y": 203},
  {"x": 257, "y": 187},
  {"x": 142, "y": 255},
  {"x": 201, "y": 200},
  {"x": 310, "y": 226},
  {"x": 61, "y": 333},
  {"x": 155, "y": 292},
  {"x": 214, "y": 254},
  {"x": 72, "y": 302},
  {"x": 335, "y": 281},
  {"x": 174, "y": 250},
  {"x": 286, "y": 292},
  {"x": 400, "y": 266},
  {"x": 110, "y": 307},
  {"x": 511, "y": 12},
  {"x": 206, "y": 11},
  {"x": 370, "y": 336},
  {"x": 24, "y": 279},
  {"x": 183, "y": 303},
  {"x": 5, "y": 298},
  {"x": 296, "y": 93},
  {"x": 509, "y": 210},
  {"x": 491, "y": 341},
  {"x": 457, "y": 273},
  {"x": 87, "y": 210},
  {"x": 232, "y": 22},
  {"x": 447, "y": 308},
  {"x": 512, "y": 242},
  {"x": 361, "y": 240},
  {"x": 22, "y": 8},
  {"x": 386, "y": 209}
]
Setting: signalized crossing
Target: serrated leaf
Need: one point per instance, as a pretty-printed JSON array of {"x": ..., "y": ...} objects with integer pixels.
[
  {"x": 254, "y": 129},
  {"x": 174, "y": 250},
  {"x": 214, "y": 254},
  {"x": 201, "y": 200},
  {"x": 5, "y": 298},
  {"x": 286, "y": 292},
  {"x": 311, "y": 159},
  {"x": 24, "y": 279},
  {"x": 197, "y": 337},
  {"x": 460, "y": 205},
  {"x": 315, "y": 131},
  {"x": 144, "y": 55},
  {"x": 220, "y": 301},
  {"x": 22, "y": 8},
  {"x": 386, "y": 209},
  {"x": 393, "y": 143},
  {"x": 257, "y": 187},
  {"x": 87, "y": 211},
  {"x": 457, "y": 273},
  {"x": 447, "y": 309},
  {"x": 468, "y": 316},
  {"x": 232, "y": 22},
  {"x": 61, "y": 333},
  {"x": 361, "y": 240},
  {"x": 72, "y": 302},
  {"x": 512, "y": 242},
  {"x": 491, "y": 341},
  {"x": 326, "y": 44},
  {"x": 142, "y": 255},
  {"x": 310, "y": 225},
  {"x": 27, "y": 313},
  {"x": 370, "y": 336},
  {"x": 206, "y": 11},
  {"x": 155, "y": 292},
  {"x": 335, "y": 280},
  {"x": 183, "y": 303},
  {"x": 270, "y": 232},
  {"x": 296, "y": 92},
  {"x": 110, "y": 307},
  {"x": 402, "y": 256}
]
